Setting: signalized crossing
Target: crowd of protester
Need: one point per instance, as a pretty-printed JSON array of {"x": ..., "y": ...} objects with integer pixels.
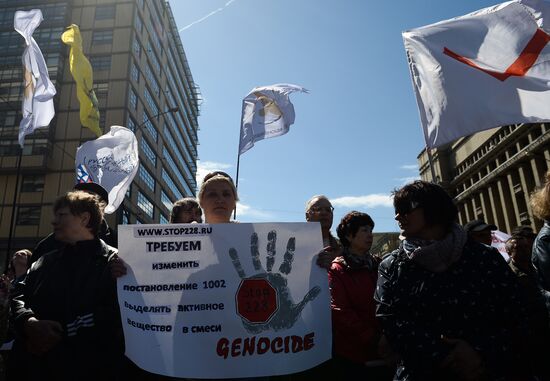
[{"x": 445, "y": 305}]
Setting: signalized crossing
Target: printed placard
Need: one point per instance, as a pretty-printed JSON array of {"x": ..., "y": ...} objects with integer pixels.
[{"x": 224, "y": 300}]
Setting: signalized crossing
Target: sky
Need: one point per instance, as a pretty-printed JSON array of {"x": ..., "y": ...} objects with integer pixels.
[{"x": 357, "y": 133}]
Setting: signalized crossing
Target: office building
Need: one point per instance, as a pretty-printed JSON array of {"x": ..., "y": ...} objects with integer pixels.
[
  {"x": 142, "y": 81},
  {"x": 492, "y": 174}
]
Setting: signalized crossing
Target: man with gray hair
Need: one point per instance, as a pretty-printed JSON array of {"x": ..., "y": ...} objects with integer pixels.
[{"x": 319, "y": 209}]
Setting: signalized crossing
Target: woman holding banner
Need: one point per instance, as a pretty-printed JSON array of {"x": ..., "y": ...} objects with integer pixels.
[{"x": 218, "y": 197}]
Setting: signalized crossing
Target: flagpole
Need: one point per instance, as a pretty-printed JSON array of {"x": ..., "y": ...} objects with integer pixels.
[
  {"x": 12, "y": 222},
  {"x": 236, "y": 185},
  {"x": 431, "y": 163},
  {"x": 15, "y": 191},
  {"x": 238, "y": 159}
]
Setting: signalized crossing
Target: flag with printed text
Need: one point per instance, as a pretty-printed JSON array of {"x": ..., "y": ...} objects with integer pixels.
[
  {"x": 111, "y": 161},
  {"x": 267, "y": 113}
]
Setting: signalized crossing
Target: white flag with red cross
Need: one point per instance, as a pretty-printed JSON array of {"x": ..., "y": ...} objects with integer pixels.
[{"x": 486, "y": 69}]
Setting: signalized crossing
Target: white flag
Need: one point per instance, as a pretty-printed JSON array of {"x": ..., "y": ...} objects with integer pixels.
[
  {"x": 38, "y": 110},
  {"x": 267, "y": 113},
  {"x": 112, "y": 161},
  {"x": 498, "y": 241},
  {"x": 483, "y": 70}
]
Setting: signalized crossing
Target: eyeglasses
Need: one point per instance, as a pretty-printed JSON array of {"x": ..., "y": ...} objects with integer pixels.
[
  {"x": 319, "y": 209},
  {"x": 406, "y": 207}
]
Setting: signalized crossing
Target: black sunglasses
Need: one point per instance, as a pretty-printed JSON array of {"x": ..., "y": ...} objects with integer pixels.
[{"x": 406, "y": 207}]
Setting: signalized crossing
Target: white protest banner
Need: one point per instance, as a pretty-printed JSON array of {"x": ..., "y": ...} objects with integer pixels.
[
  {"x": 224, "y": 300},
  {"x": 498, "y": 241},
  {"x": 111, "y": 161},
  {"x": 486, "y": 69}
]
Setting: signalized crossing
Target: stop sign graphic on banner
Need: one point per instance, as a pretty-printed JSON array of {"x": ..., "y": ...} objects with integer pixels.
[{"x": 257, "y": 300}]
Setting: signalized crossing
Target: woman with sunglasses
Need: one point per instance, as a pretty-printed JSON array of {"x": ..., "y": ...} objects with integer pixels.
[{"x": 449, "y": 306}]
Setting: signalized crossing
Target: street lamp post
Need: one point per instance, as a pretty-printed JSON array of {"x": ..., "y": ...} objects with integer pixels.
[
  {"x": 171, "y": 110},
  {"x": 139, "y": 127}
]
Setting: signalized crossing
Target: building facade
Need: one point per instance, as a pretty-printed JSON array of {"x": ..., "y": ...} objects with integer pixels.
[
  {"x": 492, "y": 174},
  {"x": 142, "y": 81}
]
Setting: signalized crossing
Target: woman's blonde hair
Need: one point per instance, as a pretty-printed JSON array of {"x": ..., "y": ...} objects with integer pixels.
[
  {"x": 540, "y": 199},
  {"x": 214, "y": 177}
]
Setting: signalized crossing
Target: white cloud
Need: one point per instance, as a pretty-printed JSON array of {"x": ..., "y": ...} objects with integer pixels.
[
  {"x": 204, "y": 167},
  {"x": 366, "y": 201},
  {"x": 409, "y": 167},
  {"x": 249, "y": 211},
  {"x": 407, "y": 179},
  {"x": 205, "y": 17}
]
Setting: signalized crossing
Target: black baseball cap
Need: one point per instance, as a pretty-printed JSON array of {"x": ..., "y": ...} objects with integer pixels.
[
  {"x": 478, "y": 226},
  {"x": 94, "y": 188}
]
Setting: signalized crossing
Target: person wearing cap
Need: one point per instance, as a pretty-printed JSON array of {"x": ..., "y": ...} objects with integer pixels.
[
  {"x": 480, "y": 231},
  {"x": 107, "y": 234},
  {"x": 518, "y": 247}
]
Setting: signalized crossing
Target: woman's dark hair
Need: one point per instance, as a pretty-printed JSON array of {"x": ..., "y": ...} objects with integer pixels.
[
  {"x": 184, "y": 204},
  {"x": 80, "y": 202},
  {"x": 438, "y": 206},
  {"x": 350, "y": 224}
]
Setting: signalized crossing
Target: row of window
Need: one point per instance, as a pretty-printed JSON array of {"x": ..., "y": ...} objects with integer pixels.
[
  {"x": 183, "y": 181},
  {"x": 147, "y": 178},
  {"x": 52, "y": 13},
  {"x": 151, "y": 102},
  {"x": 144, "y": 204},
  {"x": 105, "y": 12},
  {"x": 168, "y": 138},
  {"x": 100, "y": 63},
  {"x": 149, "y": 126}
]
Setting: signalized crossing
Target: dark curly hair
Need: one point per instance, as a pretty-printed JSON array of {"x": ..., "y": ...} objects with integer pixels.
[
  {"x": 438, "y": 206},
  {"x": 351, "y": 223}
]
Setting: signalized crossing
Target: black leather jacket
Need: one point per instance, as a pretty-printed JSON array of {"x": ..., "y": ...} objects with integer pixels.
[
  {"x": 72, "y": 286},
  {"x": 541, "y": 260}
]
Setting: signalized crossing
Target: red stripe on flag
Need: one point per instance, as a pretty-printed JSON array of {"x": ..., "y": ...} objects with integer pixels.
[{"x": 520, "y": 66}]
